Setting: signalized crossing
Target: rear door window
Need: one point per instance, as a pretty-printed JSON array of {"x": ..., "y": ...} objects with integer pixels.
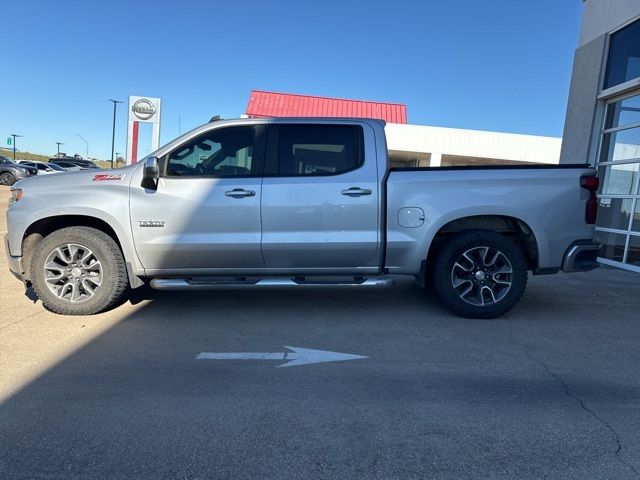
[{"x": 315, "y": 150}]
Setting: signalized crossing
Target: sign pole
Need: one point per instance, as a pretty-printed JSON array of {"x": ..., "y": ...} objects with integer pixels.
[
  {"x": 14, "y": 145},
  {"x": 113, "y": 132}
]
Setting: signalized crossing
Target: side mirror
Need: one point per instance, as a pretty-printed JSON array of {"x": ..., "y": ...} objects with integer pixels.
[{"x": 150, "y": 174}]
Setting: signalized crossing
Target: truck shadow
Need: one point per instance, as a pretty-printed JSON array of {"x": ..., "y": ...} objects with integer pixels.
[{"x": 135, "y": 399}]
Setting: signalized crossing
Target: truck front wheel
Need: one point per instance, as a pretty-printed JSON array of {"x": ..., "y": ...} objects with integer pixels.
[
  {"x": 479, "y": 274},
  {"x": 78, "y": 271}
]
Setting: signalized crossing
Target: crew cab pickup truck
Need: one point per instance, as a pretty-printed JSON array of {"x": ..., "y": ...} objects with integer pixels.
[{"x": 300, "y": 203}]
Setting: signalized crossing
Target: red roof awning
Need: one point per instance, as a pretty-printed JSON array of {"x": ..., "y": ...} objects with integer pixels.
[{"x": 273, "y": 104}]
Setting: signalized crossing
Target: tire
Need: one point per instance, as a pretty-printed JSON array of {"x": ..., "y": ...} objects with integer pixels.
[
  {"x": 474, "y": 281},
  {"x": 85, "y": 273},
  {"x": 7, "y": 178}
]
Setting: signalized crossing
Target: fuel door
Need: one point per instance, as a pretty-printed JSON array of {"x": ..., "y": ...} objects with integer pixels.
[{"x": 410, "y": 217}]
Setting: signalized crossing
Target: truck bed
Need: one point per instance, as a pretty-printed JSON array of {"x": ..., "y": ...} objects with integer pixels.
[{"x": 545, "y": 198}]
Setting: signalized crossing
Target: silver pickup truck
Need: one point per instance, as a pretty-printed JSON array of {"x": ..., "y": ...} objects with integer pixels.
[{"x": 301, "y": 203}]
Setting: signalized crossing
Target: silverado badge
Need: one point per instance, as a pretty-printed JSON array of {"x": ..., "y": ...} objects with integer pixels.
[{"x": 151, "y": 223}]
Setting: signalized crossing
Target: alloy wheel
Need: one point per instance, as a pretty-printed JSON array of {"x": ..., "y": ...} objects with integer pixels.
[
  {"x": 6, "y": 178},
  {"x": 482, "y": 276},
  {"x": 73, "y": 272}
]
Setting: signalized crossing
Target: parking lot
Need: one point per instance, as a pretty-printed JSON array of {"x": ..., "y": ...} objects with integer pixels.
[{"x": 552, "y": 390}]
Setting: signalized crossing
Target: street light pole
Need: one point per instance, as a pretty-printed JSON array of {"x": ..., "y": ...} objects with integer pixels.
[
  {"x": 85, "y": 141},
  {"x": 58, "y": 144},
  {"x": 113, "y": 133},
  {"x": 14, "y": 144}
]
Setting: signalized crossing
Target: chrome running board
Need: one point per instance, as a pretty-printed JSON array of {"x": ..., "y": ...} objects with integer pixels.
[{"x": 235, "y": 283}]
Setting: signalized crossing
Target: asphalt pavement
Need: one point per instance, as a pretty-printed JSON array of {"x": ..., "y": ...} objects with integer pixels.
[{"x": 552, "y": 390}]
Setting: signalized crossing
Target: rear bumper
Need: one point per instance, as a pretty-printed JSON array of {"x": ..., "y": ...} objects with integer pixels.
[
  {"x": 581, "y": 256},
  {"x": 15, "y": 263}
]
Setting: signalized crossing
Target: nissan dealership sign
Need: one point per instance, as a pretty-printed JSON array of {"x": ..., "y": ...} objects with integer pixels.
[{"x": 142, "y": 110}]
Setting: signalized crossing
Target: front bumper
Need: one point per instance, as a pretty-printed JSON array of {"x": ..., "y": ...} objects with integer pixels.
[
  {"x": 581, "y": 256},
  {"x": 28, "y": 174},
  {"x": 15, "y": 263}
]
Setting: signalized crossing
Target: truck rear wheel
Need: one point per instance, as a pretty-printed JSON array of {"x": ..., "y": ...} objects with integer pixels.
[
  {"x": 479, "y": 274},
  {"x": 78, "y": 271}
]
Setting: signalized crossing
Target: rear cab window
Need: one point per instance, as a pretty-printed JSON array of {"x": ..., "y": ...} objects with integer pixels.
[{"x": 314, "y": 150}]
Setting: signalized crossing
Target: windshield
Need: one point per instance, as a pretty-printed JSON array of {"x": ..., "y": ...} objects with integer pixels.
[{"x": 56, "y": 167}]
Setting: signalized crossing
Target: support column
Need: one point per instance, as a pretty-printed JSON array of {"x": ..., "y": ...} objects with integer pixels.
[
  {"x": 132, "y": 142},
  {"x": 436, "y": 159}
]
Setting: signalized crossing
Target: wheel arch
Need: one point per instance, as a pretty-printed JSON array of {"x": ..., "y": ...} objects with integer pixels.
[
  {"x": 44, "y": 226},
  {"x": 508, "y": 225}
]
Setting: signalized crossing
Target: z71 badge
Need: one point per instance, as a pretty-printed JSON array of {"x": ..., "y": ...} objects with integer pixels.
[{"x": 106, "y": 177}]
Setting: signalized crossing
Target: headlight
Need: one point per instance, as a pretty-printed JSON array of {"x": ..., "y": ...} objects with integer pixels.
[
  {"x": 16, "y": 194},
  {"x": 21, "y": 169}
]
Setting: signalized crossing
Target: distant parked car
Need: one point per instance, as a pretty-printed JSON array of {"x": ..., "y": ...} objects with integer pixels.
[
  {"x": 68, "y": 166},
  {"x": 11, "y": 172},
  {"x": 80, "y": 162},
  {"x": 43, "y": 168}
]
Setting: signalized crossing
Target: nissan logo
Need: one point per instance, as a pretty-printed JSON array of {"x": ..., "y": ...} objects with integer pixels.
[{"x": 143, "y": 109}]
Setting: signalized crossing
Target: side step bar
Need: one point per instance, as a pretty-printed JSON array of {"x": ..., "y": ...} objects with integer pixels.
[{"x": 235, "y": 283}]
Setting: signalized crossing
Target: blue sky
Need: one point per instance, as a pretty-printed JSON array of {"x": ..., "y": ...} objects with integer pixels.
[{"x": 502, "y": 65}]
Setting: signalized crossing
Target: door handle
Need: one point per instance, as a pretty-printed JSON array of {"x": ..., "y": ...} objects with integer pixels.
[
  {"x": 356, "y": 192},
  {"x": 240, "y": 193}
]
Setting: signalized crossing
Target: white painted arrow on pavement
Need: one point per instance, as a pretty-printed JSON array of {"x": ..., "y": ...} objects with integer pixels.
[{"x": 297, "y": 356}]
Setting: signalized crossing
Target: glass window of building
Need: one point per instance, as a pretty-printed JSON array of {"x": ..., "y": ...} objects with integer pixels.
[
  {"x": 618, "y": 225},
  {"x": 624, "y": 56}
]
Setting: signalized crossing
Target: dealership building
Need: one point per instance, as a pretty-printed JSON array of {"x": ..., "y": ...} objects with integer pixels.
[{"x": 602, "y": 125}]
